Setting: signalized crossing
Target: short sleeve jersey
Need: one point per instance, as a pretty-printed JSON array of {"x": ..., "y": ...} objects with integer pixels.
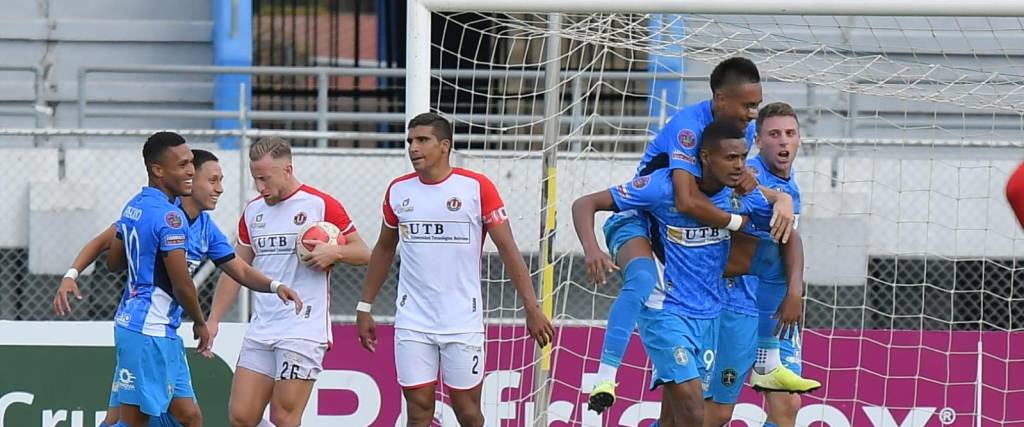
[
  {"x": 677, "y": 144},
  {"x": 441, "y": 228},
  {"x": 205, "y": 240},
  {"x": 150, "y": 227},
  {"x": 271, "y": 231},
  {"x": 695, "y": 254},
  {"x": 767, "y": 266}
]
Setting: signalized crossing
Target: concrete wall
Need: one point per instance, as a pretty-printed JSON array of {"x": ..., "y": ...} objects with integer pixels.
[{"x": 60, "y": 36}]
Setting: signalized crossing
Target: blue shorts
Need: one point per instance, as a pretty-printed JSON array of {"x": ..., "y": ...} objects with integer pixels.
[
  {"x": 624, "y": 226},
  {"x": 676, "y": 346},
  {"x": 150, "y": 371},
  {"x": 735, "y": 352}
]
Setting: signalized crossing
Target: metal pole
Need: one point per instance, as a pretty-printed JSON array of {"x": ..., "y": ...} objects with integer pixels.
[
  {"x": 82, "y": 73},
  {"x": 243, "y": 154},
  {"x": 321, "y": 107},
  {"x": 577, "y": 116},
  {"x": 417, "y": 60},
  {"x": 552, "y": 106},
  {"x": 979, "y": 385}
]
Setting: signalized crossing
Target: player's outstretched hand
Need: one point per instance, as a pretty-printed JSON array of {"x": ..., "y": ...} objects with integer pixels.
[
  {"x": 598, "y": 264},
  {"x": 202, "y": 333},
  {"x": 61, "y": 305},
  {"x": 367, "y": 330},
  {"x": 782, "y": 218},
  {"x": 322, "y": 257},
  {"x": 748, "y": 181},
  {"x": 539, "y": 326},
  {"x": 789, "y": 315},
  {"x": 288, "y": 294}
]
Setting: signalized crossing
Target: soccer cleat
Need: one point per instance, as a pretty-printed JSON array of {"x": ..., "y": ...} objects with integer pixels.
[
  {"x": 782, "y": 379},
  {"x": 602, "y": 396}
]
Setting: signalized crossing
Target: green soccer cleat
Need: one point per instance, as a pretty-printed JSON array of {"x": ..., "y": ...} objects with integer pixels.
[
  {"x": 782, "y": 379},
  {"x": 602, "y": 396}
]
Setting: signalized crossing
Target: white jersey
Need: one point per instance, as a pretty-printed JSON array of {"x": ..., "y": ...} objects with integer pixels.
[
  {"x": 271, "y": 231},
  {"x": 441, "y": 227}
]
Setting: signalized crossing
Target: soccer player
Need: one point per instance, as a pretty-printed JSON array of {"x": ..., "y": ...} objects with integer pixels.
[
  {"x": 150, "y": 355},
  {"x": 1015, "y": 193},
  {"x": 441, "y": 215},
  {"x": 736, "y": 94},
  {"x": 204, "y": 241},
  {"x": 282, "y": 354},
  {"x": 679, "y": 314},
  {"x": 768, "y": 302}
]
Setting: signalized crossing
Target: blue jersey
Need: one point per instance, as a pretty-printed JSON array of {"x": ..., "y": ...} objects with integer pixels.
[
  {"x": 767, "y": 266},
  {"x": 150, "y": 227},
  {"x": 677, "y": 144},
  {"x": 694, "y": 254},
  {"x": 205, "y": 240}
]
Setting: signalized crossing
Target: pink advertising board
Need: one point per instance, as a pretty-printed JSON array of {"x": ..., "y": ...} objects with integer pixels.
[{"x": 871, "y": 378}]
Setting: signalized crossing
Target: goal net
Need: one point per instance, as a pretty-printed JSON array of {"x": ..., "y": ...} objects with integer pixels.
[{"x": 910, "y": 128}]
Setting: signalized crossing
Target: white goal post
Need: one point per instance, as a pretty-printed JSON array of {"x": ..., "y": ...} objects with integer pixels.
[{"x": 932, "y": 109}]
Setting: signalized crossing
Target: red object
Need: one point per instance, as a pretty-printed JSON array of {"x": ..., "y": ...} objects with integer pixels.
[
  {"x": 1015, "y": 193},
  {"x": 314, "y": 233}
]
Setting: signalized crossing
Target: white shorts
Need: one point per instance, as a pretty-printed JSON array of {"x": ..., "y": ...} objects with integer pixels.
[
  {"x": 461, "y": 358},
  {"x": 287, "y": 359}
]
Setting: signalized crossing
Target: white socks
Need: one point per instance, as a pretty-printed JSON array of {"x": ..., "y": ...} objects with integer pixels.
[{"x": 767, "y": 360}]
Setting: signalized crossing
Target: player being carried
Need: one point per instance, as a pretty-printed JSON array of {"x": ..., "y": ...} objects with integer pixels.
[
  {"x": 748, "y": 326},
  {"x": 204, "y": 241},
  {"x": 441, "y": 215},
  {"x": 736, "y": 94},
  {"x": 677, "y": 319},
  {"x": 282, "y": 354}
]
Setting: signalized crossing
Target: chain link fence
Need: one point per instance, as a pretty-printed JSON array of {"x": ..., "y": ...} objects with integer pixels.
[{"x": 923, "y": 242}]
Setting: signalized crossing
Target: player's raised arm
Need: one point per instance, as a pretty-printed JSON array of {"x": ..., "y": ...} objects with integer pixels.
[
  {"x": 381, "y": 258},
  {"x": 86, "y": 257},
  {"x": 227, "y": 289},
  {"x": 245, "y": 275},
  {"x": 782, "y": 213},
  {"x": 583, "y": 211},
  {"x": 689, "y": 200}
]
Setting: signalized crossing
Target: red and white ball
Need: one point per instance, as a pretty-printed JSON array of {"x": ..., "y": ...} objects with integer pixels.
[{"x": 321, "y": 231}]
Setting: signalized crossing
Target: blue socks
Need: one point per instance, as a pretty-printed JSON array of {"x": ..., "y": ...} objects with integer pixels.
[{"x": 641, "y": 276}]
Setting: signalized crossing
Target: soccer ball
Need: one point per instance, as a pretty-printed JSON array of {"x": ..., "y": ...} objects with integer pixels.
[{"x": 321, "y": 231}]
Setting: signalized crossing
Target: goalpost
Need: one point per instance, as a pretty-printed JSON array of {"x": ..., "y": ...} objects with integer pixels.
[{"x": 912, "y": 116}]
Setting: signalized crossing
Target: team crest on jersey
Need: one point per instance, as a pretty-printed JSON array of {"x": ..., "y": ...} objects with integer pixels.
[
  {"x": 454, "y": 204},
  {"x": 258, "y": 221},
  {"x": 729, "y": 377},
  {"x": 734, "y": 201},
  {"x": 641, "y": 182},
  {"x": 300, "y": 218},
  {"x": 681, "y": 357},
  {"x": 687, "y": 138},
  {"x": 173, "y": 219}
]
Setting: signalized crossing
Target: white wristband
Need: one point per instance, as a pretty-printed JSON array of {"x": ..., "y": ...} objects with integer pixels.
[
  {"x": 363, "y": 307},
  {"x": 735, "y": 221},
  {"x": 274, "y": 284},
  {"x": 71, "y": 274}
]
